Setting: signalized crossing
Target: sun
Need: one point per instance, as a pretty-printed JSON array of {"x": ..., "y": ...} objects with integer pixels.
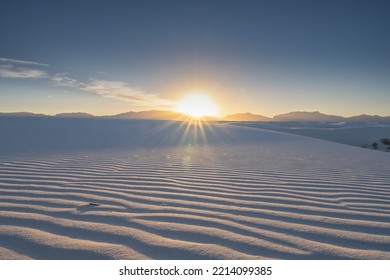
[{"x": 197, "y": 106}]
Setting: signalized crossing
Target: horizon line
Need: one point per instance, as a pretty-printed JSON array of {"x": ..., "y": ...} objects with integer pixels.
[{"x": 175, "y": 112}]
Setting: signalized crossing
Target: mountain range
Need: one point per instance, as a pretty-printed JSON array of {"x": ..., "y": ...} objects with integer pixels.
[{"x": 243, "y": 117}]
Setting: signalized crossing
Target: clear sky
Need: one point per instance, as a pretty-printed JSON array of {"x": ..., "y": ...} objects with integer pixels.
[{"x": 265, "y": 57}]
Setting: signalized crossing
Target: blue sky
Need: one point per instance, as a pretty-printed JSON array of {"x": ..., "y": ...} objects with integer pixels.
[{"x": 266, "y": 57}]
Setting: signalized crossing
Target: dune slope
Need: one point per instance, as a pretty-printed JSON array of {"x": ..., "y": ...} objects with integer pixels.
[{"x": 114, "y": 189}]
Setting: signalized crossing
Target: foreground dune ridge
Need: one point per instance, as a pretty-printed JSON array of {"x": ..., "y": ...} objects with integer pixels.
[{"x": 212, "y": 201}]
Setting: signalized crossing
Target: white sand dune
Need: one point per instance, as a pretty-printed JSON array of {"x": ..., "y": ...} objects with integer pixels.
[
  {"x": 114, "y": 189},
  {"x": 362, "y": 134}
]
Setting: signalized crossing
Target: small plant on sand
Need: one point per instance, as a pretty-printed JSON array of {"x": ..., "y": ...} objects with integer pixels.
[{"x": 385, "y": 141}]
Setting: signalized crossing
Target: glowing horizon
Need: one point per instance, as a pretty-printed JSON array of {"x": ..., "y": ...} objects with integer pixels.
[{"x": 197, "y": 105}]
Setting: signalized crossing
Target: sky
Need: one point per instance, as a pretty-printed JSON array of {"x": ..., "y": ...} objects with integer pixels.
[{"x": 264, "y": 57}]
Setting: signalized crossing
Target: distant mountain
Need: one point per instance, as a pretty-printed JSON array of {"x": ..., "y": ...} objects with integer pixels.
[
  {"x": 74, "y": 115},
  {"x": 22, "y": 114},
  {"x": 151, "y": 115},
  {"x": 242, "y": 117},
  {"x": 319, "y": 117},
  {"x": 246, "y": 117},
  {"x": 368, "y": 118},
  {"x": 307, "y": 116},
  {"x": 158, "y": 115}
]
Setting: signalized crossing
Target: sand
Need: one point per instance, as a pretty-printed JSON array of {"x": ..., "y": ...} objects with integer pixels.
[{"x": 117, "y": 189}]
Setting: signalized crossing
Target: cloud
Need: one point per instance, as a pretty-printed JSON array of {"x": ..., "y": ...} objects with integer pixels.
[
  {"x": 16, "y": 61},
  {"x": 114, "y": 90},
  {"x": 13, "y": 68},
  {"x": 118, "y": 90},
  {"x": 9, "y": 72},
  {"x": 61, "y": 79}
]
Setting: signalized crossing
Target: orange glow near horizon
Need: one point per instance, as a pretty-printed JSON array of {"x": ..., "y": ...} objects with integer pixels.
[{"x": 197, "y": 105}]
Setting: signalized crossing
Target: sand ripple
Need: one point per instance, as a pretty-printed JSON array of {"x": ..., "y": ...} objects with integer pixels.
[{"x": 198, "y": 202}]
